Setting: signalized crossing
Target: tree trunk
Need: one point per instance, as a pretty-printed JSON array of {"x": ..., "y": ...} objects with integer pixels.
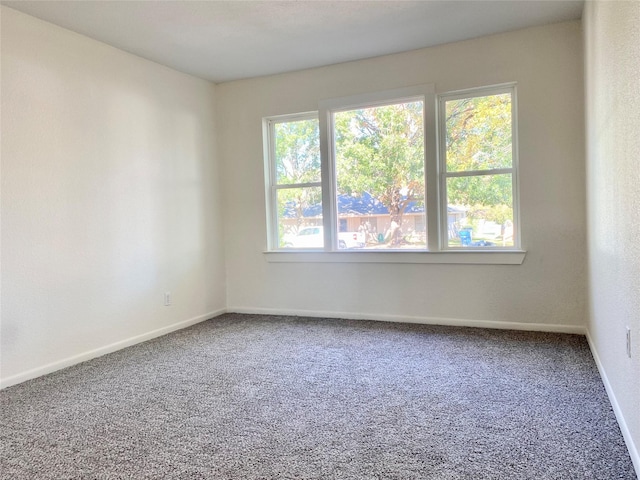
[{"x": 396, "y": 210}]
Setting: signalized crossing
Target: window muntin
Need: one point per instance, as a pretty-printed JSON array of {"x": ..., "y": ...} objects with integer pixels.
[
  {"x": 379, "y": 161},
  {"x": 323, "y": 174},
  {"x": 478, "y": 185}
]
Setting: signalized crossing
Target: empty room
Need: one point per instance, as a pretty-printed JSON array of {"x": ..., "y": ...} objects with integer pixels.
[{"x": 320, "y": 239}]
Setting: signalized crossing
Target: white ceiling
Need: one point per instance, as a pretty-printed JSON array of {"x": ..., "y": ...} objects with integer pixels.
[{"x": 229, "y": 40}]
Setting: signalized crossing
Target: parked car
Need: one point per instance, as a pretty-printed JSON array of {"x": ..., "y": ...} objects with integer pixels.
[
  {"x": 482, "y": 243},
  {"x": 313, "y": 237}
]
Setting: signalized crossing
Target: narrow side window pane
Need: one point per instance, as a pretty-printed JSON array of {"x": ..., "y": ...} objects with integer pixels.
[
  {"x": 300, "y": 217},
  {"x": 379, "y": 160},
  {"x": 478, "y": 133},
  {"x": 297, "y": 152},
  {"x": 480, "y": 211}
]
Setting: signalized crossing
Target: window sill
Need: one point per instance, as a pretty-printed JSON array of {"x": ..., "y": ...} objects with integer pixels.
[{"x": 487, "y": 257}]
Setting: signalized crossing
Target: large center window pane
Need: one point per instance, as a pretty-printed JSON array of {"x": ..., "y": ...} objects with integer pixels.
[{"x": 379, "y": 160}]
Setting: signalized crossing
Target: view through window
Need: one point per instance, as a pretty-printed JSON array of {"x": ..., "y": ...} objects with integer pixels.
[
  {"x": 379, "y": 161},
  {"x": 479, "y": 171},
  {"x": 297, "y": 183},
  {"x": 367, "y": 190}
]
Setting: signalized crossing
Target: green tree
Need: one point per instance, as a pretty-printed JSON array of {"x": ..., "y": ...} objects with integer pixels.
[
  {"x": 478, "y": 137},
  {"x": 297, "y": 155},
  {"x": 380, "y": 150},
  {"x": 297, "y": 148}
]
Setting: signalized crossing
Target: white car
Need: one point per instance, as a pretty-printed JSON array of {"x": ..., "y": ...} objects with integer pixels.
[{"x": 313, "y": 237}]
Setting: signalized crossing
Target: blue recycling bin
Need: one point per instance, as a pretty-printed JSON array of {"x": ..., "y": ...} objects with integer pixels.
[{"x": 465, "y": 237}]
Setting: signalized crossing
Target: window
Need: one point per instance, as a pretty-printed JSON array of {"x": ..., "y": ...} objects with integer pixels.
[
  {"x": 478, "y": 168},
  {"x": 364, "y": 173},
  {"x": 379, "y": 164},
  {"x": 295, "y": 186}
]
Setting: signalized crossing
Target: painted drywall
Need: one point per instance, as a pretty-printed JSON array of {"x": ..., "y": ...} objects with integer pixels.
[
  {"x": 548, "y": 288},
  {"x": 612, "y": 72},
  {"x": 110, "y": 197}
]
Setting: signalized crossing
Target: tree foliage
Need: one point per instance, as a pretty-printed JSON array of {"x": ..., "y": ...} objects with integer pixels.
[
  {"x": 478, "y": 137},
  {"x": 297, "y": 148},
  {"x": 478, "y": 133},
  {"x": 297, "y": 155},
  {"x": 380, "y": 150}
]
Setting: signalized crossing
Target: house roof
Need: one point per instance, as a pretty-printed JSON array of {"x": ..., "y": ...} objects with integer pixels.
[{"x": 365, "y": 204}]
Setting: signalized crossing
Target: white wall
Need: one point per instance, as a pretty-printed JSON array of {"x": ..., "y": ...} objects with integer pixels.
[
  {"x": 612, "y": 67},
  {"x": 549, "y": 288},
  {"x": 109, "y": 198}
]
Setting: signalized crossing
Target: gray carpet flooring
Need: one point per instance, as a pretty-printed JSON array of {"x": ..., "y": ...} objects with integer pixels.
[{"x": 267, "y": 397}]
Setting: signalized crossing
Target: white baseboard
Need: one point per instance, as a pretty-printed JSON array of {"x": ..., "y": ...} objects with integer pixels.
[
  {"x": 83, "y": 357},
  {"x": 626, "y": 434},
  {"x": 455, "y": 322}
]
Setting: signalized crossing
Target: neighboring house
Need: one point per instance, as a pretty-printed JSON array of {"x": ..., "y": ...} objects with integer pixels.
[{"x": 368, "y": 214}]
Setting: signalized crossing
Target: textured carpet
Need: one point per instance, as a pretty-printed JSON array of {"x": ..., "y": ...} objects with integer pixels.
[{"x": 265, "y": 397}]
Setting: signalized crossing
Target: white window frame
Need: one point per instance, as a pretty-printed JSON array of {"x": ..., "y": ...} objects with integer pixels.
[
  {"x": 509, "y": 88},
  {"x": 437, "y": 250},
  {"x": 424, "y": 93},
  {"x": 271, "y": 178}
]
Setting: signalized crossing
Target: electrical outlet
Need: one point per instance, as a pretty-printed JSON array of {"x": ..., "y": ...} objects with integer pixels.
[
  {"x": 167, "y": 299},
  {"x": 628, "y": 342}
]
